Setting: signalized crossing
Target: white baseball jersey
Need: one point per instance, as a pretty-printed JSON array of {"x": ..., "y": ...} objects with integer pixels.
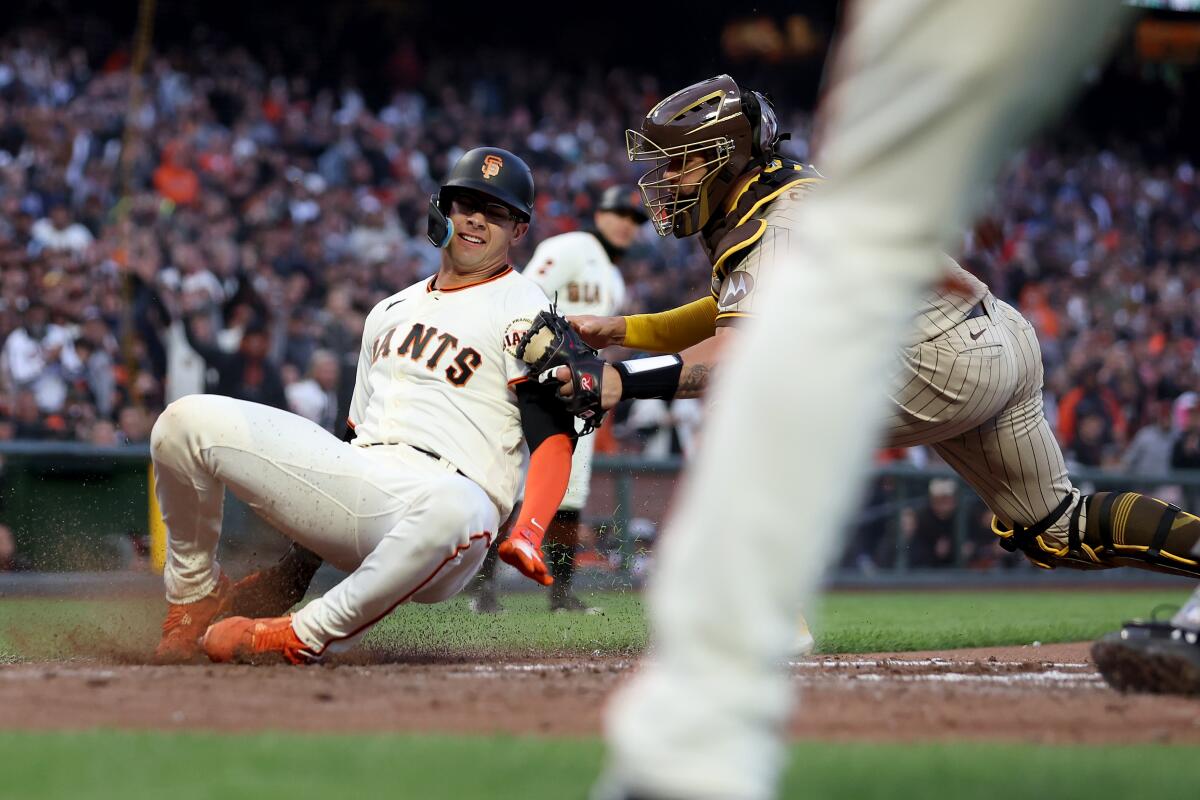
[
  {"x": 575, "y": 268},
  {"x": 437, "y": 371},
  {"x": 436, "y": 376}
]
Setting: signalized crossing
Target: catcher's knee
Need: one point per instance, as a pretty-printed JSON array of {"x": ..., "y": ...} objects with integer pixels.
[{"x": 1121, "y": 529}]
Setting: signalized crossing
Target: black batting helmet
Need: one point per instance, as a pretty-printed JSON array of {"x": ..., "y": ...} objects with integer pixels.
[
  {"x": 496, "y": 173},
  {"x": 624, "y": 199}
]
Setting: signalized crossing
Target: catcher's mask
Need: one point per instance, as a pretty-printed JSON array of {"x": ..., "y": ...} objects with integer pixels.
[{"x": 714, "y": 120}]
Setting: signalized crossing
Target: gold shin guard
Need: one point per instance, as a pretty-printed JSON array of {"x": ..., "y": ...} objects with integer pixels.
[{"x": 1124, "y": 529}]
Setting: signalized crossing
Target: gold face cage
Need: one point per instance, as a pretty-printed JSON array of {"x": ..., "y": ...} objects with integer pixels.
[{"x": 664, "y": 192}]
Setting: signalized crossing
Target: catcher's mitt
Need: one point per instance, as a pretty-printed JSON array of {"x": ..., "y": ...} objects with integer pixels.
[{"x": 550, "y": 343}]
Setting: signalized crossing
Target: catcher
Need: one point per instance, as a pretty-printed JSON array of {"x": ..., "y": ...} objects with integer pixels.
[{"x": 967, "y": 382}]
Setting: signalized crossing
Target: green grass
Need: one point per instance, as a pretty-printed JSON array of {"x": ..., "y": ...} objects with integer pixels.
[
  {"x": 101, "y": 765},
  {"x": 844, "y": 623},
  {"x": 107, "y": 764}
]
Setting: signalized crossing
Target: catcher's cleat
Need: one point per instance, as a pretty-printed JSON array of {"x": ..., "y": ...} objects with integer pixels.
[
  {"x": 564, "y": 602},
  {"x": 272, "y": 592},
  {"x": 485, "y": 601},
  {"x": 1150, "y": 657},
  {"x": 256, "y": 641},
  {"x": 803, "y": 644},
  {"x": 187, "y": 622}
]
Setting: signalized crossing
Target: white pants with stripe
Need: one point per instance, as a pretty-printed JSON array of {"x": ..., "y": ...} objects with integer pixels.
[
  {"x": 406, "y": 526},
  {"x": 926, "y": 97}
]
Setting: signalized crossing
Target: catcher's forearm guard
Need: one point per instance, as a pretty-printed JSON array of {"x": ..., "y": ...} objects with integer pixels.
[{"x": 550, "y": 343}]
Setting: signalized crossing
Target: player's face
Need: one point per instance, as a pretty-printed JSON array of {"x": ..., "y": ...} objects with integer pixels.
[
  {"x": 686, "y": 173},
  {"x": 618, "y": 228},
  {"x": 483, "y": 232}
]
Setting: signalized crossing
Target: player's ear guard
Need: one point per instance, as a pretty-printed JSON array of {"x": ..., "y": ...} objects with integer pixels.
[
  {"x": 441, "y": 227},
  {"x": 1123, "y": 529}
]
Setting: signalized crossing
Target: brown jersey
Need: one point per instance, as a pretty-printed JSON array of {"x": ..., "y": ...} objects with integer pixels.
[{"x": 757, "y": 230}]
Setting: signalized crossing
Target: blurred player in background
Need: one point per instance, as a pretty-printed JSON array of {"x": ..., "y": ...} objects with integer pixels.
[
  {"x": 924, "y": 100},
  {"x": 579, "y": 272},
  {"x": 410, "y": 506}
]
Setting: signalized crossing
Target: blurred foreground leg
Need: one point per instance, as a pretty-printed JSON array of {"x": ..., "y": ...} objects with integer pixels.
[{"x": 926, "y": 98}]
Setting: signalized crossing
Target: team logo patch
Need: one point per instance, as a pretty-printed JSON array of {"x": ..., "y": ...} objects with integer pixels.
[
  {"x": 512, "y": 335},
  {"x": 491, "y": 166},
  {"x": 586, "y": 382},
  {"x": 735, "y": 288}
]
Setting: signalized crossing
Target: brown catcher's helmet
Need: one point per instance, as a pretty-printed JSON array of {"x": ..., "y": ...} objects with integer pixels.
[{"x": 714, "y": 119}]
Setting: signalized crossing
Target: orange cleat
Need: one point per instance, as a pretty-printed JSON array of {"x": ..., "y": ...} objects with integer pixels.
[
  {"x": 255, "y": 641},
  {"x": 187, "y": 622}
]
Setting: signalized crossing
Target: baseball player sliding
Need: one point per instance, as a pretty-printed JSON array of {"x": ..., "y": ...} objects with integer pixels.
[
  {"x": 409, "y": 507},
  {"x": 579, "y": 271}
]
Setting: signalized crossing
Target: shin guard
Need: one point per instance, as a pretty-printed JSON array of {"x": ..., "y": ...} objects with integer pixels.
[{"x": 1123, "y": 529}]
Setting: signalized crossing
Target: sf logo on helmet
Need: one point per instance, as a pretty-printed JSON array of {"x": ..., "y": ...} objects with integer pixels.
[{"x": 491, "y": 166}]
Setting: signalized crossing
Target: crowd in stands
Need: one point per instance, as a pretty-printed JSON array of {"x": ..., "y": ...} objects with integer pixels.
[{"x": 225, "y": 227}]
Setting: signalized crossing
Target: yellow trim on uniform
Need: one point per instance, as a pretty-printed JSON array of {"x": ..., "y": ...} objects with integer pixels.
[
  {"x": 740, "y": 246},
  {"x": 1139, "y": 548},
  {"x": 1120, "y": 517},
  {"x": 1060, "y": 552},
  {"x": 773, "y": 195},
  {"x": 674, "y": 330},
  {"x": 733, "y": 314},
  {"x": 774, "y": 166},
  {"x": 157, "y": 528}
]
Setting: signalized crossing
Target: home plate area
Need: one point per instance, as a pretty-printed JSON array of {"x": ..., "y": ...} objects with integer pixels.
[{"x": 1049, "y": 694}]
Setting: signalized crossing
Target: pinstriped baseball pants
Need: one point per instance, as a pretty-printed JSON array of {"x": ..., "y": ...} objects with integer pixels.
[{"x": 975, "y": 395}]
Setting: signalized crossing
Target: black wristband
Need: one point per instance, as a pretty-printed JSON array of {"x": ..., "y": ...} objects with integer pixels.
[{"x": 656, "y": 377}]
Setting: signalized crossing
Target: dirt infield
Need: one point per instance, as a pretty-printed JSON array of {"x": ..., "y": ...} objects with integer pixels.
[{"x": 1033, "y": 694}]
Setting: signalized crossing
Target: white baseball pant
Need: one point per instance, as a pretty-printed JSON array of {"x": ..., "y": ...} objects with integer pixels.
[
  {"x": 926, "y": 98},
  {"x": 406, "y": 526}
]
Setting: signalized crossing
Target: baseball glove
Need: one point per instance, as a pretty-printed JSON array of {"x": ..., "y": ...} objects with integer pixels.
[{"x": 550, "y": 343}]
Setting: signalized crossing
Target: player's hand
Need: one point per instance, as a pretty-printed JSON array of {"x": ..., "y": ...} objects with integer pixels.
[
  {"x": 610, "y": 386},
  {"x": 520, "y": 551},
  {"x": 599, "y": 332}
]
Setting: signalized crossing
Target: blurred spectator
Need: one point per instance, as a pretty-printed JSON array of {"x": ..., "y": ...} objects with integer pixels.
[
  {"x": 929, "y": 532},
  {"x": 10, "y": 561},
  {"x": 247, "y": 373},
  {"x": 39, "y": 356},
  {"x": 377, "y": 237},
  {"x": 97, "y": 349},
  {"x": 27, "y": 417},
  {"x": 134, "y": 425},
  {"x": 1149, "y": 453},
  {"x": 1093, "y": 444},
  {"x": 174, "y": 179},
  {"x": 1090, "y": 399},
  {"x": 316, "y": 398},
  {"x": 1186, "y": 453},
  {"x": 58, "y": 232},
  {"x": 260, "y": 194}
]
